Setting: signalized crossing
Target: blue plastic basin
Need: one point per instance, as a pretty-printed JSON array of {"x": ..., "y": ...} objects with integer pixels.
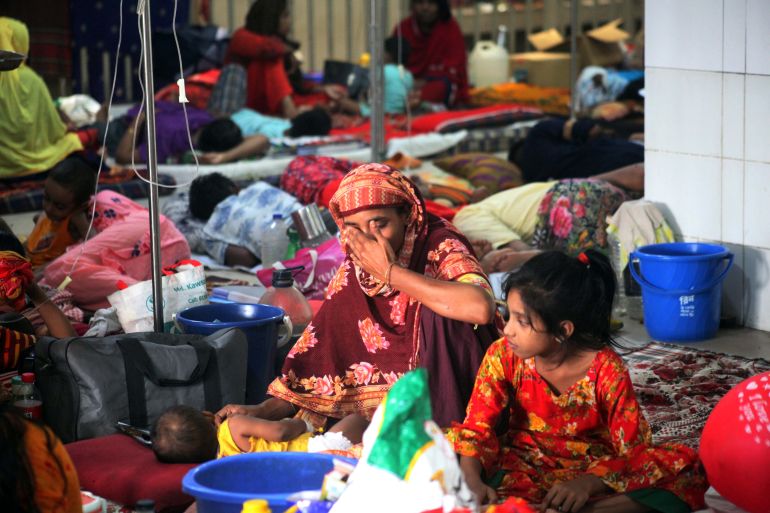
[{"x": 223, "y": 485}]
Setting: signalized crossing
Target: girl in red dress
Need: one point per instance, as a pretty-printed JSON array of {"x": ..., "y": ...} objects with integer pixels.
[{"x": 553, "y": 417}]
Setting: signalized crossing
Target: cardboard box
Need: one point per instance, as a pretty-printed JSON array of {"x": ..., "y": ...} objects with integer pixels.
[
  {"x": 601, "y": 46},
  {"x": 544, "y": 69},
  {"x": 549, "y": 65}
]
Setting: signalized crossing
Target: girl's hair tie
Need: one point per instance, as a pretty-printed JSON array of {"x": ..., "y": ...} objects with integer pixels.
[{"x": 583, "y": 258}]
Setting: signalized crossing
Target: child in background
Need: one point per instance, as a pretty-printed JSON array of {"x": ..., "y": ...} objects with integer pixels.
[
  {"x": 185, "y": 435},
  {"x": 64, "y": 221},
  {"x": 575, "y": 437},
  {"x": 398, "y": 84}
]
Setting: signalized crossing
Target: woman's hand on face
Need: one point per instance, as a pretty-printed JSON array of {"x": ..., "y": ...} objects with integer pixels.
[{"x": 371, "y": 252}]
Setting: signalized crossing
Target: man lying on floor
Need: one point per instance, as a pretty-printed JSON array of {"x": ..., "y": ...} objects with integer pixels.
[{"x": 246, "y": 133}]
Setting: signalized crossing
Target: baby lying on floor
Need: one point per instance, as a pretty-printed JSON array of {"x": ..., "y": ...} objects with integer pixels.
[{"x": 183, "y": 434}]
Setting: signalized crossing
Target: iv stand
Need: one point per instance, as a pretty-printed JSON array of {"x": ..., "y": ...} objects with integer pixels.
[{"x": 152, "y": 166}]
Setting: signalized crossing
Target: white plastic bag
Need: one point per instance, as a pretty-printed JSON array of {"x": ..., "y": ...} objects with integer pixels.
[{"x": 182, "y": 290}]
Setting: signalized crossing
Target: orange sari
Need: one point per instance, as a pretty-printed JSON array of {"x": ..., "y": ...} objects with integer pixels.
[{"x": 57, "y": 489}]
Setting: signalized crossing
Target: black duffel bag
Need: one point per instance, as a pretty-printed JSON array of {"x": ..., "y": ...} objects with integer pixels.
[{"x": 90, "y": 383}]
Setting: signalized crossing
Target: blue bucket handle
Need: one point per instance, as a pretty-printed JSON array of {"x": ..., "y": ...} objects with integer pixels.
[{"x": 634, "y": 257}]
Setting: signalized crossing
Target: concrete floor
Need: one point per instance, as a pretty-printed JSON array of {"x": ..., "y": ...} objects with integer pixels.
[{"x": 744, "y": 342}]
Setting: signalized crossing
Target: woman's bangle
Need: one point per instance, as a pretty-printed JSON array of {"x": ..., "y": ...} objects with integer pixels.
[{"x": 387, "y": 274}]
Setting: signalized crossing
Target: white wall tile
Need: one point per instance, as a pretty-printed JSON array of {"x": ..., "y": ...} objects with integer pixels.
[
  {"x": 690, "y": 188},
  {"x": 757, "y": 205},
  {"x": 734, "y": 45},
  {"x": 758, "y": 115},
  {"x": 758, "y": 37},
  {"x": 685, "y": 34},
  {"x": 757, "y": 295},
  {"x": 732, "y": 115},
  {"x": 733, "y": 287},
  {"x": 732, "y": 201},
  {"x": 682, "y": 112}
]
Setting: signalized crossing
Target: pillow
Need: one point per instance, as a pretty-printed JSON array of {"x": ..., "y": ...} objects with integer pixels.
[
  {"x": 483, "y": 170},
  {"x": 120, "y": 469}
]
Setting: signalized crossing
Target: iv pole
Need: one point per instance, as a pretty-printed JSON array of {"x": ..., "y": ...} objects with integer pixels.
[
  {"x": 143, "y": 10},
  {"x": 376, "y": 79},
  {"x": 573, "y": 66}
]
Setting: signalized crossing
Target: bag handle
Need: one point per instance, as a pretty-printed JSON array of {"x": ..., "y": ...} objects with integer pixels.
[
  {"x": 633, "y": 261},
  {"x": 138, "y": 366}
]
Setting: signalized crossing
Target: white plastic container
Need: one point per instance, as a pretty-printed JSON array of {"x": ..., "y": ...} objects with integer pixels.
[
  {"x": 274, "y": 242},
  {"x": 487, "y": 64}
]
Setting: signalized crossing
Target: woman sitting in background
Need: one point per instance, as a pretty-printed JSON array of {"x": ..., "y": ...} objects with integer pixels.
[
  {"x": 409, "y": 294},
  {"x": 261, "y": 47},
  {"x": 33, "y": 138},
  {"x": 437, "y": 57}
]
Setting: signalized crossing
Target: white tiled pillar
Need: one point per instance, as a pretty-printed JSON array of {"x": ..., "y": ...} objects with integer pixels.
[{"x": 708, "y": 134}]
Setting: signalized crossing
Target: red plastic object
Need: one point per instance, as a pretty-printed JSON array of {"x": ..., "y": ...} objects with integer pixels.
[{"x": 735, "y": 445}]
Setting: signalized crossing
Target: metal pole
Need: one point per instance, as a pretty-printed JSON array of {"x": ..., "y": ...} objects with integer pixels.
[
  {"x": 573, "y": 65},
  {"x": 152, "y": 167},
  {"x": 311, "y": 33},
  {"x": 376, "y": 79}
]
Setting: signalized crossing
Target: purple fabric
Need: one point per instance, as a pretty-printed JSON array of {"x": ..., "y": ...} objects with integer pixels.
[
  {"x": 452, "y": 367},
  {"x": 170, "y": 129}
]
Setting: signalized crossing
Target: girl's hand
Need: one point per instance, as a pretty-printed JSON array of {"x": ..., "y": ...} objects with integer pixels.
[
  {"x": 572, "y": 495},
  {"x": 484, "y": 493},
  {"x": 372, "y": 252}
]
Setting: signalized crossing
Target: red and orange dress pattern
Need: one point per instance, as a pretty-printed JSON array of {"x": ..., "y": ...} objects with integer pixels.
[
  {"x": 596, "y": 427},
  {"x": 366, "y": 335}
]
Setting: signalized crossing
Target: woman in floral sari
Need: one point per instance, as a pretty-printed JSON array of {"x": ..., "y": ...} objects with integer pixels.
[{"x": 410, "y": 293}]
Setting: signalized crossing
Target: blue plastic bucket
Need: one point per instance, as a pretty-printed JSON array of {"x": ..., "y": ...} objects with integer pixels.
[
  {"x": 260, "y": 323},
  {"x": 223, "y": 485},
  {"x": 681, "y": 288}
]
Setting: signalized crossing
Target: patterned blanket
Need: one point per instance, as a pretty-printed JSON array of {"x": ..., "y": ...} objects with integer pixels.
[{"x": 679, "y": 386}]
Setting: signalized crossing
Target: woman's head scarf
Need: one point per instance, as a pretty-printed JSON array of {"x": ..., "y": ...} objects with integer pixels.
[{"x": 373, "y": 186}]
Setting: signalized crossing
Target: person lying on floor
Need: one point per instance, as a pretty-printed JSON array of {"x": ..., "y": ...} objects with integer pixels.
[
  {"x": 559, "y": 148},
  {"x": 183, "y": 434},
  {"x": 227, "y": 224},
  {"x": 512, "y": 226},
  {"x": 246, "y": 133},
  {"x": 571, "y": 435},
  {"x": 117, "y": 251}
]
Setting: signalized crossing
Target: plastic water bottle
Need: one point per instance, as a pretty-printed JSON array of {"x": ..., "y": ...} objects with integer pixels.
[
  {"x": 275, "y": 242},
  {"x": 619, "y": 304},
  {"x": 283, "y": 295},
  {"x": 28, "y": 398}
]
